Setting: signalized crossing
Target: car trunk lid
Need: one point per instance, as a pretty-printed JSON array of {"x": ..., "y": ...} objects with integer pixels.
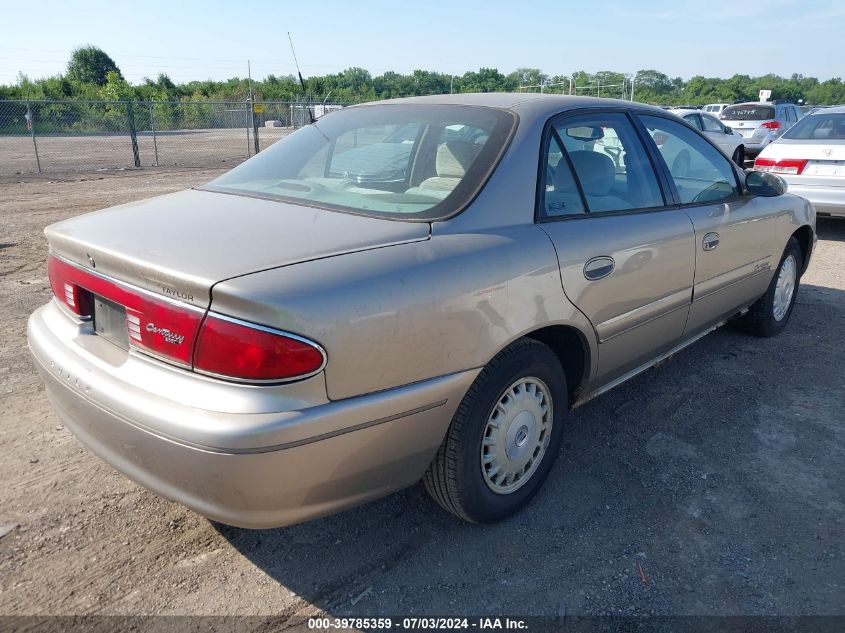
[{"x": 181, "y": 244}]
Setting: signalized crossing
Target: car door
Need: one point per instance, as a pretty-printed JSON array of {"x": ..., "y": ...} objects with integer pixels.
[
  {"x": 733, "y": 262},
  {"x": 626, "y": 258}
]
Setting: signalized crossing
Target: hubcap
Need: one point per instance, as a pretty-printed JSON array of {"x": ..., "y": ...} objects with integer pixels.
[
  {"x": 784, "y": 288},
  {"x": 516, "y": 435}
]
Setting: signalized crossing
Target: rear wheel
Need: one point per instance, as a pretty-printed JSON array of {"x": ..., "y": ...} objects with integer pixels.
[
  {"x": 739, "y": 156},
  {"x": 504, "y": 437},
  {"x": 770, "y": 313}
]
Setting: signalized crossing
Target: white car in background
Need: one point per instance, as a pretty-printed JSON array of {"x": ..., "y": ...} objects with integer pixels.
[
  {"x": 810, "y": 156},
  {"x": 715, "y": 108},
  {"x": 731, "y": 144}
]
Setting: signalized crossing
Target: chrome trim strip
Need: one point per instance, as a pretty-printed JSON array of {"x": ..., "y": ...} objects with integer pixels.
[
  {"x": 632, "y": 319},
  {"x": 711, "y": 286},
  {"x": 269, "y": 330}
]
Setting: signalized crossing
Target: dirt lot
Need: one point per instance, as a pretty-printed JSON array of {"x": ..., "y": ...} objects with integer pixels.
[
  {"x": 185, "y": 148},
  {"x": 714, "y": 484}
]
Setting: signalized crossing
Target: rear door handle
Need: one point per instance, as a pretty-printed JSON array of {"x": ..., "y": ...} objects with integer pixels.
[
  {"x": 599, "y": 267},
  {"x": 710, "y": 241}
]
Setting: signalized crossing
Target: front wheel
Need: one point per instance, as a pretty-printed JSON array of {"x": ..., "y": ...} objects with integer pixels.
[
  {"x": 504, "y": 437},
  {"x": 771, "y": 312}
]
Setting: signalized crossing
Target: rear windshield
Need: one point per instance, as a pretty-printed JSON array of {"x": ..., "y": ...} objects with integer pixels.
[
  {"x": 749, "y": 112},
  {"x": 820, "y": 127},
  {"x": 414, "y": 162}
]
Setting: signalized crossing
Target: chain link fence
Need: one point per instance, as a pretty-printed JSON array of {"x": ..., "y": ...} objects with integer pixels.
[{"x": 67, "y": 136}]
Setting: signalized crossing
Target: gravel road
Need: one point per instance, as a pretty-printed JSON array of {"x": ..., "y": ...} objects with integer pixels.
[{"x": 714, "y": 484}]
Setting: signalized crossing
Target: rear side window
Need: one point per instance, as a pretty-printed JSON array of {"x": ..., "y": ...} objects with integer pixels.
[
  {"x": 748, "y": 112},
  {"x": 611, "y": 167},
  {"x": 693, "y": 120},
  {"x": 560, "y": 193},
  {"x": 822, "y": 127},
  {"x": 711, "y": 124},
  {"x": 701, "y": 173}
]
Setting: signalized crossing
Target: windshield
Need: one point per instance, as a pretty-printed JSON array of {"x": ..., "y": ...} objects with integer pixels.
[
  {"x": 417, "y": 162},
  {"x": 748, "y": 112},
  {"x": 821, "y": 127}
]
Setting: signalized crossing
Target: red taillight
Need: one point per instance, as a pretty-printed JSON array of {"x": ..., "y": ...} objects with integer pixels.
[
  {"x": 65, "y": 290},
  {"x": 771, "y": 125},
  {"x": 154, "y": 325},
  {"x": 240, "y": 350},
  {"x": 790, "y": 166},
  {"x": 169, "y": 330},
  {"x": 659, "y": 138}
]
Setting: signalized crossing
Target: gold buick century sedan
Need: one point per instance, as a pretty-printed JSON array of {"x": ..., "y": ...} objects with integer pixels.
[{"x": 416, "y": 289}]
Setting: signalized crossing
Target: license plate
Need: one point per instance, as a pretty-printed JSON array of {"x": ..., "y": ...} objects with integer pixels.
[
  {"x": 110, "y": 322},
  {"x": 746, "y": 133}
]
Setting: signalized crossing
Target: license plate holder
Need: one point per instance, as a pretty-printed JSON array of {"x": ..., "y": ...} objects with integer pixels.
[{"x": 110, "y": 322}]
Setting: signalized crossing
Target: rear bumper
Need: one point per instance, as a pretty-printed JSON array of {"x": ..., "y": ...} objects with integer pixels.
[
  {"x": 256, "y": 469},
  {"x": 829, "y": 201}
]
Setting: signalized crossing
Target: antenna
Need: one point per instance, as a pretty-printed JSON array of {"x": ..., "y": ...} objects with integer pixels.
[{"x": 298, "y": 72}]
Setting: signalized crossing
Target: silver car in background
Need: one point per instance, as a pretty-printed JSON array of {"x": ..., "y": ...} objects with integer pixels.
[
  {"x": 415, "y": 289},
  {"x": 760, "y": 123},
  {"x": 810, "y": 157},
  {"x": 731, "y": 143}
]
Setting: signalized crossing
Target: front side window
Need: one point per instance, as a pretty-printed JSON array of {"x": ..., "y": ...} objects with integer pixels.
[
  {"x": 611, "y": 166},
  {"x": 701, "y": 173},
  {"x": 395, "y": 160}
]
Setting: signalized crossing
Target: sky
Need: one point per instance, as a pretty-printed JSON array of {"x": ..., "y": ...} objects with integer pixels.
[{"x": 214, "y": 39}]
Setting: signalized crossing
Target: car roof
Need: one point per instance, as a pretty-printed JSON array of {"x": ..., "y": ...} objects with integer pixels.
[
  {"x": 829, "y": 110},
  {"x": 683, "y": 111},
  {"x": 525, "y": 104}
]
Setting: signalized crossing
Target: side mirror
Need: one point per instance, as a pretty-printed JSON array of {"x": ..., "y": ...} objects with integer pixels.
[
  {"x": 761, "y": 183},
  {"x": 729, "y": 130}
]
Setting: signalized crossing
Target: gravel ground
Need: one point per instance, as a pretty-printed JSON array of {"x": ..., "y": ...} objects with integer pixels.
[{"x": 710, "y": 485}]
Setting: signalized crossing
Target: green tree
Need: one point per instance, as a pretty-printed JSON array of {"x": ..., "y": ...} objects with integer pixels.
[{"x": 89, "y": 64}]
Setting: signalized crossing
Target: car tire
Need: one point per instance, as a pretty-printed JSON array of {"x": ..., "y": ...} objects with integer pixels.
[
  {"x": 499, "y": 425},
  {"x": 770, "y": 313},
  {"x": 739, "y": 156}
]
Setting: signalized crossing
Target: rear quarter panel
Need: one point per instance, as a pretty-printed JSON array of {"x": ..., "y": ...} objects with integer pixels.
[{"x": 401, "y": 314}]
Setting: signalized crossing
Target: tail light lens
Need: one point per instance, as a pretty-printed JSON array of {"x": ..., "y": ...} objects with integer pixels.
[
  {"x": 659, "y": 138},
  {"x": 156, "y": 326},
  {"x": 68, "y": 293},
  {"x": 771, "y": 125},
  {"x": 186, "y": 335},
  {"x": 789, "y": 166},
  {"x": 235, "y": 349}
]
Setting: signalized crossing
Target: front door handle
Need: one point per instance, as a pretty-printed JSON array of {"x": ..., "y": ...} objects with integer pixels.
[
  {"x": 710, "y": 241},
  {"x": 599, "y": 267}
]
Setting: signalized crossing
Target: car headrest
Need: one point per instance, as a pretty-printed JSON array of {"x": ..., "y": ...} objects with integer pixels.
[
  {"x": 454, "y": 158},
  {"x": 595, "y": 170}
]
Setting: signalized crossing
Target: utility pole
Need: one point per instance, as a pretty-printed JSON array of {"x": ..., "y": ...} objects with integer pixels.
[{"x": 252, "y": 108}]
